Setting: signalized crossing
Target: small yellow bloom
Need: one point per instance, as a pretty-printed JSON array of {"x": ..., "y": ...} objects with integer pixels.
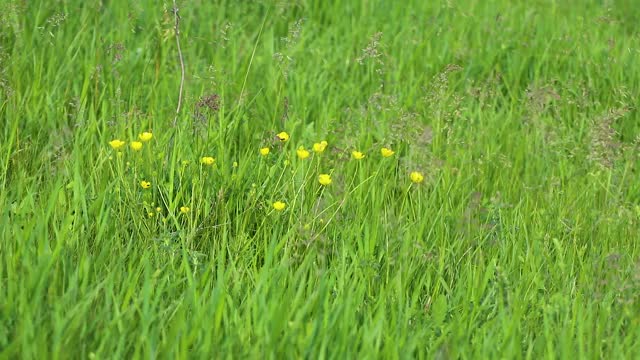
[
  {"x": 416, "y": 177},
  {"x": 145, "y": 184},
  {"x": 158, "y": 209},
  {"x": 184, "y": 209},
  {"x": 151, "y": 214},
  {"x": 264, "y": 151},
  {"x": 324, "y": 179},
  {"x": 116, "y": 144},
  {"x": 302, "y": 153},
  {"x": 279, "y": 205},
  {"x": 283, "y": 136},
  {"x": 145, "y": 136},
  {"x": 386, "y": 152},
  {"x": 136, "y": 145},
  {"x": 357, "y": 155},
  {"x": 207, "y": 160},
  {"x": 235, "y": 164},
  {"x": 320, "y": 147}
]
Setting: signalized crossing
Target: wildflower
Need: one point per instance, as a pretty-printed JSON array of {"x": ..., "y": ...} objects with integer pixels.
[
  {"x": 264, "y": 151},
  {"x": 116, "y": 144},
  {"x": 302, "y": 153},
  {"x": 283, "y": 136},
  {"x": 320, "y": 147},
  {"x": 235, "y": 164},
  {"x": 386, "y": 152},
  {"x": 279, "y": 205},
  {"x": 136, "y": 145},
  {"x": 184, "y": 209},
  {"x": 150, "y": 214},
  {"x": 145, "y": 184},
  {"x": 416, "y": 177},
  {"x": 357, "y": 155},
  {"x": 207, "y": 160},
  {"x": 158, "y": 209},
  {"x": 145, "y": 136},
  {"x": 324, "y": 179}
]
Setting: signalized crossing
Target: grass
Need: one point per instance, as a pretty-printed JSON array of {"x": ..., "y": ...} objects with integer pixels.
[{"x": 521, "y": 242}]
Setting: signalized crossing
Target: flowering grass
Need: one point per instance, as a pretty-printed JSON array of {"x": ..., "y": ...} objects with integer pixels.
[{"x": 370, "y": 179}]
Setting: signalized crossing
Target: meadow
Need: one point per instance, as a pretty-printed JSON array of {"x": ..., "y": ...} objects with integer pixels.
[{"x": 319, "y": 179}]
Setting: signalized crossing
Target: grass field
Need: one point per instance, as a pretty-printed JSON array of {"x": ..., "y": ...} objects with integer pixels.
[{"x": 501, "y": 222}]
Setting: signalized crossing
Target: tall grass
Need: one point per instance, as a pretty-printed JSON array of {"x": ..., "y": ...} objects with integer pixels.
[{"x": 520, "y": 242}]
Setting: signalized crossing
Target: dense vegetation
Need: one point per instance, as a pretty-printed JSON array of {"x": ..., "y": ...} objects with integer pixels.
[{"x": 476, "y": 194}]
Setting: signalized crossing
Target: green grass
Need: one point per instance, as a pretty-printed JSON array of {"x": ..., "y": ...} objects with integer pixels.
[{"x": 522, "y": 241}]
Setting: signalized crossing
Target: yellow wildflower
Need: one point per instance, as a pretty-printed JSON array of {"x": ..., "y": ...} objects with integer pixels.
[
  {"x": 116, "y": 144},
  {"x": 145, "y": 184},
  {"x": 386, "y": 152},
  {"x": 150, "y": 214},
  {"x": 264, "y": 151},
  {"x": 145, "y": 136},
  {"x": 158, "y": 209},
  {"x": 302, "y": 153},
  {"x": 184, "y": 209},
  {"x": 279, "y": 205},
  {"x": 207, "y": 160},
  {"x": 283, "y": 136},
  {"x": 320, "y": 147},
  {"x": 324, "y": 179},
  {"x": 416, "y": 177},
  {"x": 357, "y": 155},
  {"x": 136, "y": 145}
]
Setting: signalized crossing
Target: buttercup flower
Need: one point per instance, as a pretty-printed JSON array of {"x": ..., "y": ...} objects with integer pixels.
[
  {"x": 386, "y": 152},
  {"x": 136, "y": 145},
  {"x": 264, "y": 151},
  {"x": 184, "y": 209},
  {"x": 302, "y": 153},
  {"x": 324, "y": 179},
  {"x": 145, "y": 184},
  {"x": 416, "y": 177},
  {"x": 116, "y": 144},
  {"x": 320, "y": 147},
  {"x": 357, "y": 155},
  {"x": 207, "y": 160},
  {"x": 279, "y": 205},
  {"x": 283, "y": 136},
  {"x": 145, "y": 136}
]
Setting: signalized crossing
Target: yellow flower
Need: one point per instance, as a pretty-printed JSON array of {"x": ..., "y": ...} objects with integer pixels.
[
  {"x": 357, "y": 155},
  {"x": 302, "y": 153},
  {"x": 207, "y": 160},
  {"x": 264, "y": 151},
  {"x": 145, "y": 184},
  {"x": 235, "y": 164},
  {"x": 158, "y": 209},
  {"x": 184, "y": 209},
  {"x": 320, "y": 147},
  {"x": 136, "y": 145},
  {"x": 145, "y": 136},
  {"x": 416, "y": 177},
  {"x": 324, "y": 179},
  {"x": 279, "y": 205},
  {"x": 386, "y": 152},
  {"x": 283, "y": 136},
  {"x": 116, "y": 144},
  {"x": 151, "y": 214}
]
